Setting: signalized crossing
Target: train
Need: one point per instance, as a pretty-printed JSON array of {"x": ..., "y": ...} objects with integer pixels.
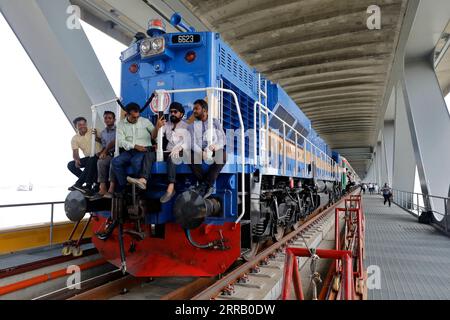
[{"x": 278, "y": 169}]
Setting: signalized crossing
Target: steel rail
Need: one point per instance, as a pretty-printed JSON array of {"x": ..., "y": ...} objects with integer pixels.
[
  {"x": 232, "y": 277},
  {"x": 26, "y": 267}
]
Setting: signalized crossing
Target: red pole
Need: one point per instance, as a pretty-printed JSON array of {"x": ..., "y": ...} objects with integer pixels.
[
  {"x": 297, "y": 282},
  {"x": 360, "y": 244},
  {"x": 336, "y": 235},
  {"x": 336, "y": 230},
  {"x": 287, "y": 275},
  {"x": 348, "y": 277}
]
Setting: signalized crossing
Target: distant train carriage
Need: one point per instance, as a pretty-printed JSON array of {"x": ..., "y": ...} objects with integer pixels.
[{"x": 277, "y": 165}]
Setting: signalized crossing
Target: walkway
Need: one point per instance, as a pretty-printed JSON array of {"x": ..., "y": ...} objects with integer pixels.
[{"x": 414, "y": 259}]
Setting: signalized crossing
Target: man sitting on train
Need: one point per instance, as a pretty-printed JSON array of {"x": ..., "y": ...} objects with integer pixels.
[
  {"x": 134, "y": 139},
  {"x": 175, "y": 131},
  {"x": 200, "y": 148},
  {"x": 108, "y": 140},
  {"x": 82, "y": 140}
]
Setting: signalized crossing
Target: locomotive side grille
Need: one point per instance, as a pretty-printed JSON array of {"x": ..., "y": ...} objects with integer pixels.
[
  {"x": 230, "y": 116},
  {"x": 236, "y": 68}
]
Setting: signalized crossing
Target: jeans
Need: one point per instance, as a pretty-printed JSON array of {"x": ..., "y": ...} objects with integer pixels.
[
  {"x": 136, "y": 160},
  {"x": 171, "y": 168},
  {"x": 210, "y": 176},
  {"x": 387, "y": 197},
  {"x": 88, "y": 175}
]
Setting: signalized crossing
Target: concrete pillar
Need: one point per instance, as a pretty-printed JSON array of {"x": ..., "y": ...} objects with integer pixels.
[
  {"x": 429, "y": 124},
  {"x": 388, "y": 151},
  {"x": 383, "y": 163},
  {"x": 379, "y": 163},
  {"x": 404, "y": 161},
  {"x": 370, "y": 176}
]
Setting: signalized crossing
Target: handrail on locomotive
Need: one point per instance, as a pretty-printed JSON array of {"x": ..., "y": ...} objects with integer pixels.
[{"x": 262, "y": 110}]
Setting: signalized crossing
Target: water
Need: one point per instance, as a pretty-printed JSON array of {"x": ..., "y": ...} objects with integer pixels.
[{"x": 32, "y": 215}]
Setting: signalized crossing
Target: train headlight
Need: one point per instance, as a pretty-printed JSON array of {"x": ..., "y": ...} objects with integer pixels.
[
  {"x": 146, "y": 46},
  {"x": 152, "y": 46},
  {"x": 157, "y": 44}
]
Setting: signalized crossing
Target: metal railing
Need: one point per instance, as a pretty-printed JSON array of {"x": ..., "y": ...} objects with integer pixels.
[
  {"x": 94, "y": 123},
  {"x": 211, "y": 94},
  {"x": 416, "y": 203},
  {"x": 315, "y": 152},
  {"x": 33, "y": 204}
]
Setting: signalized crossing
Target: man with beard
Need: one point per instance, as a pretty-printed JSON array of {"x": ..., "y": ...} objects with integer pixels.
[
  {"x": 175, "y": 131},
  {"x": 200, "y": 148}
]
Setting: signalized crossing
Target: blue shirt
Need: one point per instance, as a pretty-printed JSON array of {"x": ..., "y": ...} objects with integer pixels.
[{"x": 107, "y": 135}]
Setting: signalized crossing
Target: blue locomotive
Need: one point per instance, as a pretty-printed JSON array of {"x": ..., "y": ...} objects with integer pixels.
[{"x": 277, "y": 165}]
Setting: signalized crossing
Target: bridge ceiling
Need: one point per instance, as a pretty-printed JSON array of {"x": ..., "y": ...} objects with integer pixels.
[{"x": 321, "y": 52}]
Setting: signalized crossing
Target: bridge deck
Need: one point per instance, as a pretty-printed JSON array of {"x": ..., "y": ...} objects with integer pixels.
[{"x": 414, "y": 259}]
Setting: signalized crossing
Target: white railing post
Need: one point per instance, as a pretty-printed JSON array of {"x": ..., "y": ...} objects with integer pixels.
[
  {"x": 160, "y": 151},
  {"x": 118, "y": 116},
  {"x": 296, "y": 155},
  {"x": 94, "y": 129},
  {"x": 94, "y": 123},
  {"x": 255, "y": 137},
  {"x": 284, "y": 149}
]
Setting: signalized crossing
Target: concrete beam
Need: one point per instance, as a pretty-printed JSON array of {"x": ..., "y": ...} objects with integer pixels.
[
  {"x": 429, "y": 123},
  {"x": 64, "y": 57}
]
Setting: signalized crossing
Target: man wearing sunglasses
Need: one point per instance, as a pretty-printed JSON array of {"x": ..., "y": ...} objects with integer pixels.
[{"x": 175, "y": 131}]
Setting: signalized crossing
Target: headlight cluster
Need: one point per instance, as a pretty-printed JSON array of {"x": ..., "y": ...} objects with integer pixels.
[{"x": 152, "y": 46}]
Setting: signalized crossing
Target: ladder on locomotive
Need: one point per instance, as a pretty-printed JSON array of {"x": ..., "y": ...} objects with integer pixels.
[{"x": 263, "y": 130}]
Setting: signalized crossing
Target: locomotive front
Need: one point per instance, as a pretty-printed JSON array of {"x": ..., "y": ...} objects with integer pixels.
[{"x": 170, "y": 239}]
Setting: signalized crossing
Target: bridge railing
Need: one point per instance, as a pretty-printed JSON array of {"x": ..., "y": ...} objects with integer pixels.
[
  {"x": 34, "y": 204},
  {"x": 416, "y": 203}
]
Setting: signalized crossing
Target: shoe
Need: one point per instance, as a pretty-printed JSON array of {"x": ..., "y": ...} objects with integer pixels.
[
  {"x": 72, "y": 188},
  {"x": 167, "y": 196},
  {"x": 108, "y": 195},
  {"x": 96, "y": 196},
  {"x": 135, "y": 181},
  {"x": 108, "y": 231},
  {"x": 81, "y": 189},
  {"x": 209, "y": 192},
  {"x": 89, "y": 194}
]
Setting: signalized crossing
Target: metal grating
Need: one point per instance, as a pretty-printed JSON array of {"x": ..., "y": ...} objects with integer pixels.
[
  {"x": 230, "y": 115},
  {"x": 414, "y": 259},
  {"x": 236, "y": 68}
]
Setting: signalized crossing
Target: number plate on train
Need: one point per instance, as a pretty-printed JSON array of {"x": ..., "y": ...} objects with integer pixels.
[{"x": 185, "y": 38}]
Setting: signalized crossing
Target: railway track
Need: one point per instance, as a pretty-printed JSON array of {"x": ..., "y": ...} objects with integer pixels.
[
  {"x": 249, "y": 275},
  {"x": 34, "y": 279}
]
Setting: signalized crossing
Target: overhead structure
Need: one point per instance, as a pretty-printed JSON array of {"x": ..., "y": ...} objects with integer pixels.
[
  {"x": 417, "y": 121},
  {"x": 370, "y": 74},
  {"x": 61, "y": 52},
  {"x": 324, "y": 53}
]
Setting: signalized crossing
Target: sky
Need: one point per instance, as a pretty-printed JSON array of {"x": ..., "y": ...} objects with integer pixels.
[{"x": 36, "y": 143}]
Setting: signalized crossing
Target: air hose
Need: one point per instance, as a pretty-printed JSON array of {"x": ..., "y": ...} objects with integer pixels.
[{"x": 195, "y": 244}]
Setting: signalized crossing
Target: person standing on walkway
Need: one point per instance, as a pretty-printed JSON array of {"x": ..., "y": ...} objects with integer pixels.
[{"x": 387, "y": 194}]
